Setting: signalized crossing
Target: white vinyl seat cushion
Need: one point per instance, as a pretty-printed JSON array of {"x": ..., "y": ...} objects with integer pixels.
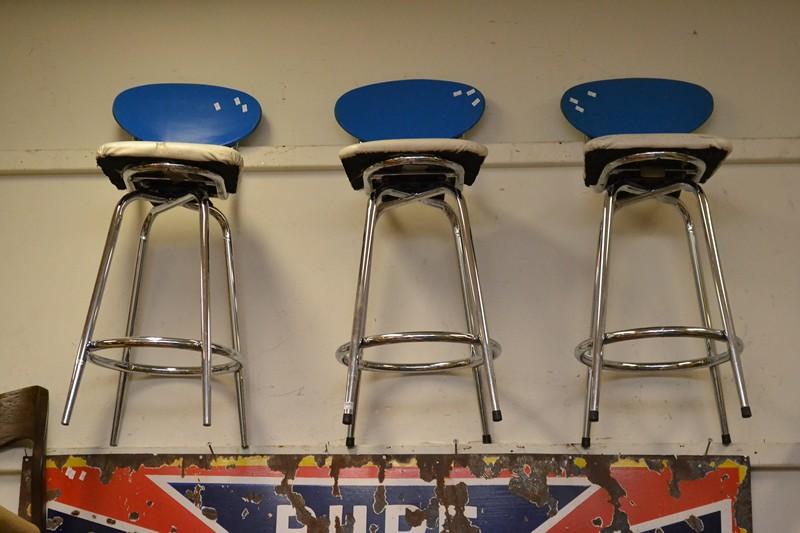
[
  {"x": 114, "y": 157},
  {"x": 661, "y": 141}
]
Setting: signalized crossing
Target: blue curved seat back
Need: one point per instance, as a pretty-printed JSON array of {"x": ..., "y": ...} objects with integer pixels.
[
  {"x": 636, "y": 105},
  {"x": 410, "y": 109},
  {"x": 187, "y": 112}
]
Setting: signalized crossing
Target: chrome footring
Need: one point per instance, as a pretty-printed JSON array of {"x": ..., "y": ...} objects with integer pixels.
[
  {"x": 476, "y": 360},
  {"x": 161, "y": 342},
  {"x": 583, "y": 352}
]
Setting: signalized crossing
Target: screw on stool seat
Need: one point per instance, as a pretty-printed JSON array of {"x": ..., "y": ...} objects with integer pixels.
[
  {"x": 181, "y": 158},
  {"x": 410, "y": 156},
  {"x": 643, "y": 151}
]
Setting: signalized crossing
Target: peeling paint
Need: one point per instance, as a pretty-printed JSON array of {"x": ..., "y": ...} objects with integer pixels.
[
  {"x": 451, "y": 504},
  {"x": 53, "y": 524}
]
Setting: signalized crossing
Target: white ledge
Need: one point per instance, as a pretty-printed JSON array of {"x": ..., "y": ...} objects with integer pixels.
[
  {"x": 294, "y": 158},
  {"x": 767, "y": 455}
]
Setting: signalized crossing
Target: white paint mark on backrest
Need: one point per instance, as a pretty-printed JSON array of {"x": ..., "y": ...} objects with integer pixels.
[
  {"x": 237, "y": 101},
  {"x": 470, "y": 92},
  {"x": 244, "y": 108},
  {"x": 217, "y": 106},
  {"x": 458, "y": 92},
  {"x": 592, "y": 94},
  {"x": 476, "y": 102},
  {"x": 573, "y": 101},
  {"x": 579, "y": 109}
]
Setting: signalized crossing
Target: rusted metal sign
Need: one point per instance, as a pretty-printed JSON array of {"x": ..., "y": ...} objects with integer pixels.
[{"x": 422, "y": 493}]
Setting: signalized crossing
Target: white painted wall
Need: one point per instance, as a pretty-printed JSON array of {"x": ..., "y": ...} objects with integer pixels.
[
  {"x": 298, "y": 232},
  {"x": 62, "y": 65}
]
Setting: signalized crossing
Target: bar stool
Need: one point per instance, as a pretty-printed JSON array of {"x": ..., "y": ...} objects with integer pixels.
[
  {"x": 181, "y": 157},
  {"x": 411, "y": 154},
  {"x": 641, "y": 149}
]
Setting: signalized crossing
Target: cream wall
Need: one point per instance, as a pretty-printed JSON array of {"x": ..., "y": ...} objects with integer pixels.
[
  {"x": 63, "y": 63},
  {"x": 298, "y": 230}
]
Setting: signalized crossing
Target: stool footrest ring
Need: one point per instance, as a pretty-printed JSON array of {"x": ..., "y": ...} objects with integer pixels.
[
  {"x": 583, "y": 352},
  {"x": 130, "y": 367},
  {"x": 343, "y": 353}
]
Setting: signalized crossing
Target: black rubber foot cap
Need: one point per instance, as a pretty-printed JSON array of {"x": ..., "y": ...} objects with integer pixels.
[
  {"x": 347, "y": 419},
  {"x": 586, "y": 442},
  {"x": 594, "y": 416},
  {"x": 350, "y": 442},
  {"x": 746, "y": 413},
  {"x": 487, "y": 439},
  {"x": 497, "y": 416},
  {"x": 726, "y": 439}
]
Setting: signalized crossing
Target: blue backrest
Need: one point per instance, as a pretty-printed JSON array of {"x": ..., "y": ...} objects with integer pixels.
[
  {"x": 187, "y": 112},
  {"x": 636, "y": 105},
  {"x": 410, "y": 109}
]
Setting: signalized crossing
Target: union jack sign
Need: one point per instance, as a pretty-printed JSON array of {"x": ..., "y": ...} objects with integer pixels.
[{"x": 391, "y": 494}]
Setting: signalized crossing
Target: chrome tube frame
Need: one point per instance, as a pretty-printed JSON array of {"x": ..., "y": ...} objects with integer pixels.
[
  {"x": 694, "y": 173},
  {"x": 88, "y": 348},
  {"x": 590, "y": 351},
  {"x": 483, "y": 350},
  {"x": 374, "y": 174},
  {"x": 134, "y": 175}
]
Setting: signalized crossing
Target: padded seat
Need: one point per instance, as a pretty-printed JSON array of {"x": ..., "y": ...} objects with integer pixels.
[
  {"x": 356, "y": 158},
  {"x": 223, "y": 161},
  {"x": 601, "y": 151}
]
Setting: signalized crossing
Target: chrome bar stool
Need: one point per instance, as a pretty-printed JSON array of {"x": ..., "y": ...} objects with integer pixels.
[
  {"x": 411, "y": 155},
  {"x": 642, "y": 150},
  {"x": 182, "y": 158}
]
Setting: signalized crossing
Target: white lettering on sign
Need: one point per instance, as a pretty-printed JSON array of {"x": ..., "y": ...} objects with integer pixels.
[
  {"x": 359, "y": 515},
  {"x": 394, "y": 518},
  {"x": 396, "y": 514},
  {"x": 284, "y": 513}
]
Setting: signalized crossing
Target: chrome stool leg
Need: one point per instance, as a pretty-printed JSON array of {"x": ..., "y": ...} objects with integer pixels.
[
  {"x": 469, "y": 306},
  {"x": 88, "y": 348},
  {"x": 122, "y": 384},
  {"x": 351, "y": 353},
  {"x": 359, "y": 320},
  {"x": 598, "y": 328},
  {"x": 586, "y": 440},
  {"x": 722, "y": 299},
  {"x": 478, "y": 312},
  {"x": 96, "y": 299},
  {"x": 702, "y": 299},
  {"x": 234, "y": 319},
  {"x": 144, "y": 235},
  {"x": 205, "y": 308},
  {"x": 599, "y": 306},
  {"x": 589, "y": 353}
]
